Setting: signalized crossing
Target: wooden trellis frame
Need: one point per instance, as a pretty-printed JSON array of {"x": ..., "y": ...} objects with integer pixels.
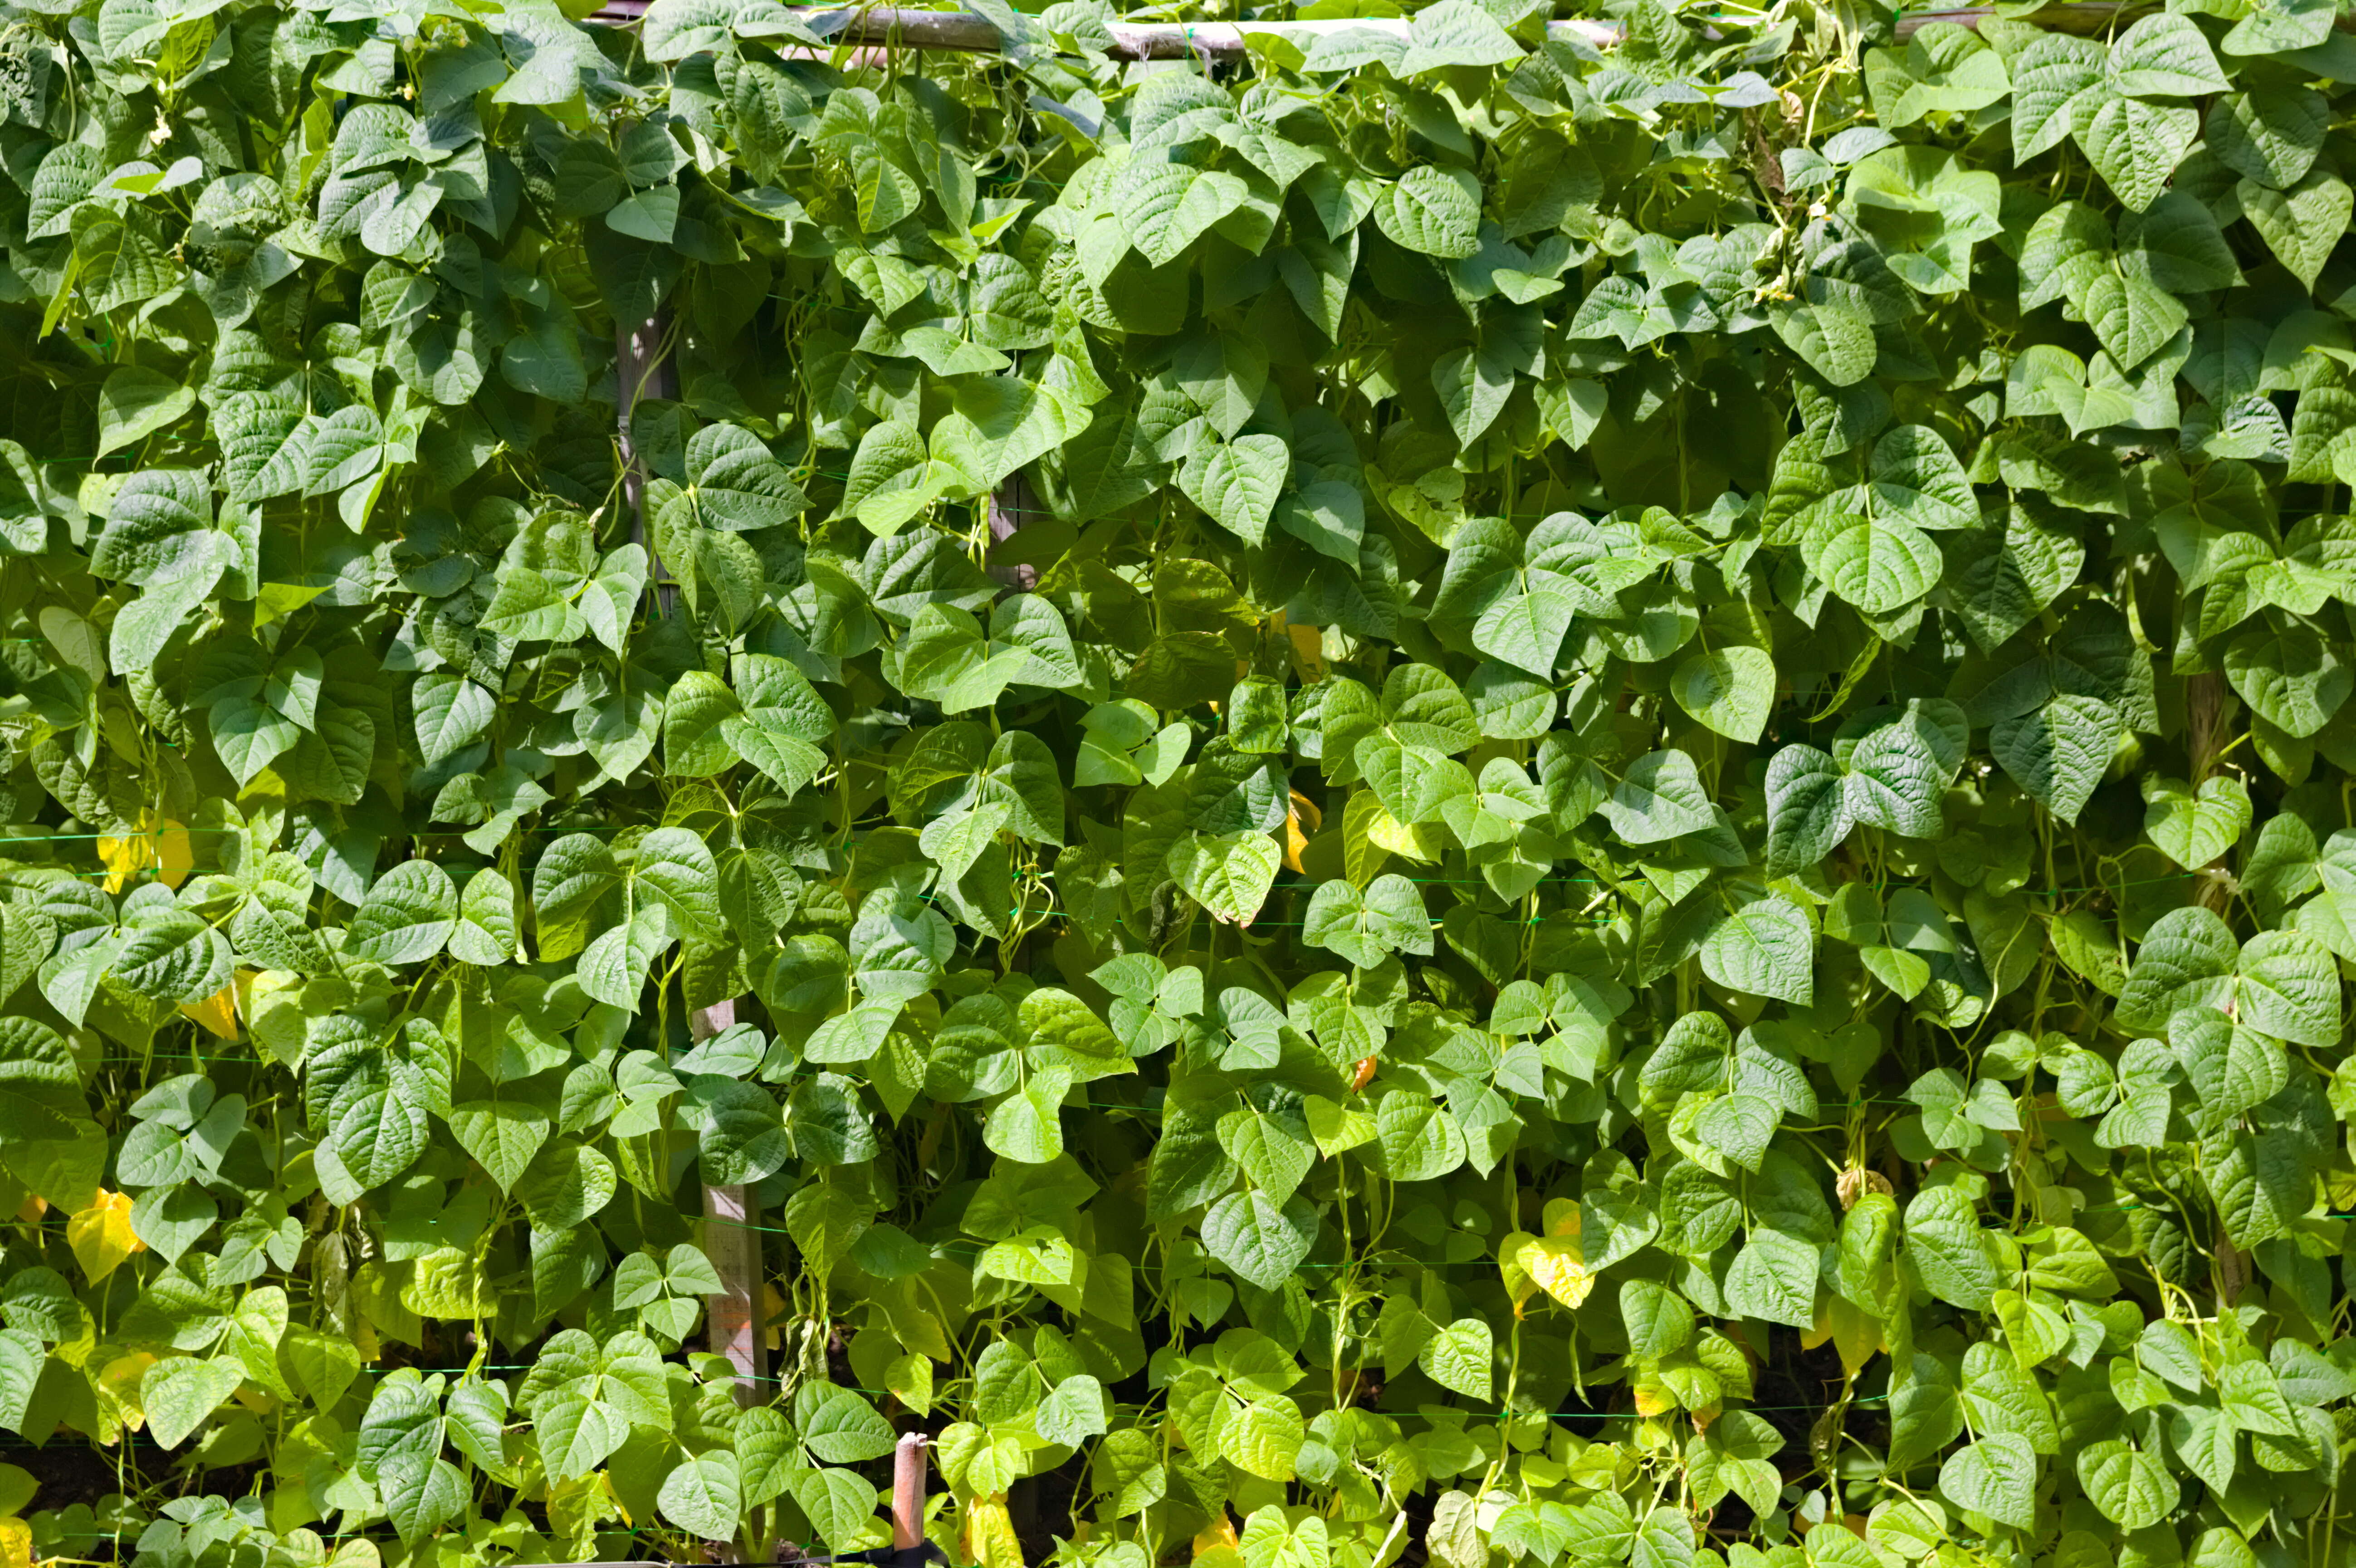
[
  {"x": 967, "y": 32},
  {"x": 644, "y": 369}
]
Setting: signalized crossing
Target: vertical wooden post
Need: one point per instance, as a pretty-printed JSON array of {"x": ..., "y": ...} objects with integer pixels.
[
  {"x": 733, "y": 1245},
  {"x": 908, "y": 1493},
  {"x": 642, "y": 369},
  {"x": 1009, "y": 504}
]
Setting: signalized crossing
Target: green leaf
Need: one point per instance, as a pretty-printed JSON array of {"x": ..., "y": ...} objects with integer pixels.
[
  {"x": 1388, "y": 917},
  {"x": 2290, "y": 678},
  {"x": 2187, "y": 960},
  {"x": 1837, "y": 342},
  {"x": 1419, "y": 1140},
  {"x": 408, "y": 915},
  {"x": 1807, "y": 809},
  {"x": 2133, "y": 1488},
  {"x": 1995, "y": 1476},
  {"x": 733, "y": 483},
  {"x": 1942, "y": 1239},
  {"x": 502, "y": 1136},
  {"x": 1458, "y": 1358},
  {"x": 1164, "y": 208},
  {"x": 136, "y": 402},
  {"x": 1455, "y": 33},
  {"x": 159, "y": 526},
  {"x": 1880, "y": 563},
  {"x": 2134, "y": 145},
  {"x": 1731, "y": 689},
  {"x": 179, "y": 1393},
  {"x": 2193, "y": 829},
  {"x": 1432, "y": 210},
  {"x": 838, "y": 1504},
  {"x": 2288, "y": 987},
  {"x": 2164, "y": 56},
  {"x": 1259, "y": 1239},
  {"x": 1658, "y": 798},
  {"x": 451, "y": 711},
  {"x": 1765, "y": 948},
  {"x": 1236, "y": 483},
  {"x": 1773, "y": 1279},
  {"x": 1228, "y": 874},
  {"x": 2060, "y": 752}
]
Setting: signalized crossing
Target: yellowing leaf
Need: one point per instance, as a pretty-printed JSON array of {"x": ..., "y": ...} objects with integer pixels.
[
  {"x": 271, "y": 1003},
  {"x": 1308, "y": 650},
  {"x": 117, "y": 1387},
  {"x": 277, "y": 599},
  {"x": 1301, "y": 822},
  {"x": 773, "y": 1308},
  {"x": 1220, "y": 1536},
  {"x": 911, "y": 1378},
  {"x": 100, "y": 1235},
  {"x": 216, "y": 1013},
  {"x": 1517, "y": 1280},
  {"x": 1854, "y": 1334},
  {"x": 161, "y": 849},
  {"x": 990, "y": 1538},
  {"x": 16, "y": 1543},
  {"x": 1556, "y": 1260},
  {"x": 1388, "y": 832}
]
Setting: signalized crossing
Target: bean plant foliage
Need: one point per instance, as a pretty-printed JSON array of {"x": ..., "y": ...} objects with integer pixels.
[{"x": 1471, "y": 793}]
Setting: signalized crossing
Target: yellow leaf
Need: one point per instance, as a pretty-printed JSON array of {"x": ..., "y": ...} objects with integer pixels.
[
  {"x": 915, "y": 1329},
  {"x": 1653, "y": 1398},
  {"x": 1411, "y": 842},
  {"x": 1220, "y": 1536},
  {"x": 911, "y": 1378},
  {"x": 271, "y": 1003},
  {"x": 162, "y": 849},
  {"x": 278, "y": 599},
  {"x": 16, "y": 1543},
  {"x": 100, "y": 1235},
  {"x": 1301, "y": 822},
  {"x": 216, "y": 1013},
  {"x": 121, "y": 859},
  {"x": 990, "y": 1538},
  {"x": 773, "y": 1311},
  {"x": 1308, "y": 650},
  {"x": 1518, "y": 1283},
  {"x": 1855, "y": 1333},
  {"x": 117, "y": 1387},
  {"x": 1556, "y": 1260}
]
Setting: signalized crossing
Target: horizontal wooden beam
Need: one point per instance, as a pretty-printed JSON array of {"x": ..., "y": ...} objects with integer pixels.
[{"x": 886, "y": 28}]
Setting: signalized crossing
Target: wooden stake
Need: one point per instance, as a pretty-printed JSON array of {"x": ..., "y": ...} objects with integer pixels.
[
  {"x": 908, "y": 1491},
  {"x": 884, "y": 28},
  {"x": 641, "y": 370},
  {"x": 732, "y": 1241},
  {"x": 1009, "y": 504},
  {"x": 734, "y": 1244}
]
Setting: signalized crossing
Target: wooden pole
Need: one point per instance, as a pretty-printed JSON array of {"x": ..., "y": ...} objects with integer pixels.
[
  {"x": 883, "y": 28},
  {"x": 1009, "y": 504},
  {"x": 643, "y": 370},
  {"x": 908, "y": 1493},
  {"x": 733, "y": 1245}
]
